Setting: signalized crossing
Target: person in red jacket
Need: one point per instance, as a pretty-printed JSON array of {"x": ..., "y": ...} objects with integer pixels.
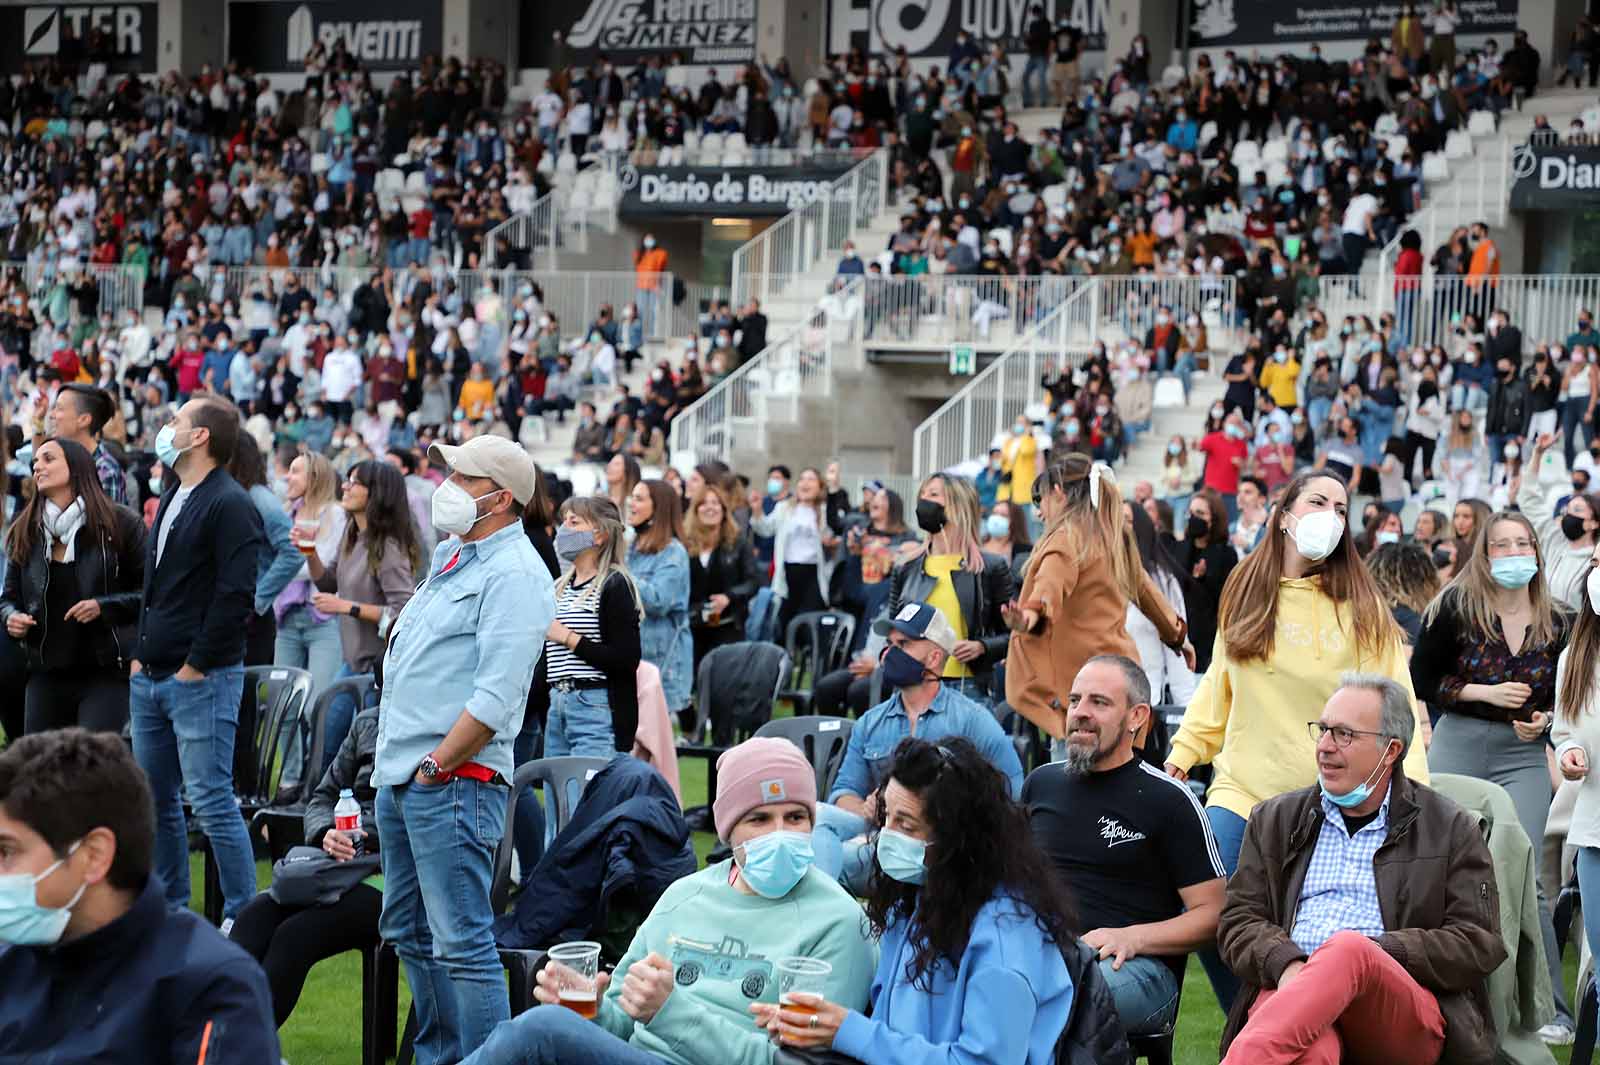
[
  {"x": 1226, "y": 453},
  {"x": 1407, "y": 283}
]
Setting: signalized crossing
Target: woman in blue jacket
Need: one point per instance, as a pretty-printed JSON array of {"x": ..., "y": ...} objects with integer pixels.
[
  {"x": 970, "y": 923},
  {"x": 659, "y": 564}
]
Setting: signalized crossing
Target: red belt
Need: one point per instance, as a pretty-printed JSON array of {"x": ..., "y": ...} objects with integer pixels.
[{"x": 472, "y": 771}]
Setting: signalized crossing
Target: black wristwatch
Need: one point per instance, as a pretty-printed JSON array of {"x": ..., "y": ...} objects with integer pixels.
[
  {"x": 430, "y": 768},
  {"x": 355, "y": 611}
]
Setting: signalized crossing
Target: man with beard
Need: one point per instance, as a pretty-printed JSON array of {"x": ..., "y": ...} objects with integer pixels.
[{"x": 1133, "y": 843}]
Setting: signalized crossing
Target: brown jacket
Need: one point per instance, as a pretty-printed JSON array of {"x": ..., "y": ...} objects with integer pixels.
[
  {"x": 1084, "y": 614},
  {"x": 1436, "y": 889},
  {"x": 1407, "y": 37}
]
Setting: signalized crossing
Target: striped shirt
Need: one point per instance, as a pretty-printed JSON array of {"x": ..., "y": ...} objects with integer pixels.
[
  {"x": 583, "y": 618},
  {"x": 112, "y": 478},
  {"x": 1341, "y": 890}
]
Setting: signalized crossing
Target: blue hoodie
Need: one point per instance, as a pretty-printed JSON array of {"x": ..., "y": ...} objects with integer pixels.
[{"x": 1007, "y": 1002}]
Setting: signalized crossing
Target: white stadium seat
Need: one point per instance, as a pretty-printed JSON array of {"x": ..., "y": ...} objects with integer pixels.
[
  {"x": 567, "y": 163},
  {"x": 1458, "y": 145},
  {"x": 1208, "y": 133},
  {"x": 417, "y": 183},
  {"x": 1435, "y": 167},
  {"x": 1275, "y": 151},
  {"x": 1481, "y": 124},
  {"x": 1246, "y": 152}
]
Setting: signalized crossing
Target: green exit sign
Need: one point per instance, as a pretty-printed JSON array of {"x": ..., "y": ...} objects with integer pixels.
[{"x": 963, "y": 360}]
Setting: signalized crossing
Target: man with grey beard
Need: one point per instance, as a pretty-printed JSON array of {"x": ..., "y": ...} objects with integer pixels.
[{"x": 1132, "y": 843}]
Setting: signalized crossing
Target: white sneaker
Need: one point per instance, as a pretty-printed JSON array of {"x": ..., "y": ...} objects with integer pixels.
[
  {"x": 1557, "y": 1034},
  {"x": 227, "y": 927}
]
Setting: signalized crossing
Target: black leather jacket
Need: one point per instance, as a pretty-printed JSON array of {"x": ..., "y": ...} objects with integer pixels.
[
  {"x": 111, "y": 572},
  {"x": 731, "y": 571},
  {"x": 351, "y": 768},
  {"x": 981, "y": 595}
]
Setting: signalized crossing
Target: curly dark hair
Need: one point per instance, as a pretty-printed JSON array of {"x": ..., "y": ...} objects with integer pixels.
[{"x": 981, "y": 846}]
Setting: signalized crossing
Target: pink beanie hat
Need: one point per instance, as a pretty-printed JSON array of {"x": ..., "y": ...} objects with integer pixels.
[{"x": 758, "y": 772}]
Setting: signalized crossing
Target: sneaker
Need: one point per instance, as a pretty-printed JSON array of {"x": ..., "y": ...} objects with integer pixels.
[
  {"x": 1557, "y": 1034},
  {"x": 227, "y": 927}
]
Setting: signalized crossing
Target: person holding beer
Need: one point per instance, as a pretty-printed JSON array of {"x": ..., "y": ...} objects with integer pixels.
[
  {"x": 701, "y": 978},
  {"x": 307, "y": 638},
  {"x": 970, "y": 924}
]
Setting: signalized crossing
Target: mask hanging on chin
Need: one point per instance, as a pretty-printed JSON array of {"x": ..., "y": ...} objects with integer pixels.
[{"x": 1356, "y": 795}]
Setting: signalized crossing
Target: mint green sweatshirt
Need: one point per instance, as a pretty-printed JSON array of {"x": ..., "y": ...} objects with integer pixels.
[{"x": 723, "y": 945}]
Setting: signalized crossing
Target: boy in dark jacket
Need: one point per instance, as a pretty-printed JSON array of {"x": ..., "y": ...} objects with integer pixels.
[{"x": 93, "y": 964}]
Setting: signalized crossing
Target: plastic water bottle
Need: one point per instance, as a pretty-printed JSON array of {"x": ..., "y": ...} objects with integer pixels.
[{"x": 347, "y": 818}]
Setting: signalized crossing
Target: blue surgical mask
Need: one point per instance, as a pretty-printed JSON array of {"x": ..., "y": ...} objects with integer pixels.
[
  {"x": 23, "y": 922},
  {"x": 901, "y": 857},
  {"x": 773, "y": 864},
  {"x": 1514, "y": 571},
  {"x": 570, "y": 543},
  {"x": 997, "y": 525},
  {"x": 900, "y": 670},
  {"x": 774, "y": 486},
  {"x": 1356, "y": 795},
  {"x": 167, "y": 449}
]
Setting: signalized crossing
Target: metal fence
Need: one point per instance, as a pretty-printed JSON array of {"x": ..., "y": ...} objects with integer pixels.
[
  {"x": 121, "y": 287},
  {"x": 690, "y": 317},
  {"x": 736, "y": 411},
  {"x": 533, "y": 237},
  {"x": 1544, "y": 307},
  {"x": 771, "y": 261}
]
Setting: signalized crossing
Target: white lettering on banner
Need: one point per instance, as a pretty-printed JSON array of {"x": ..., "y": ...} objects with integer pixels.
[
  {"x": 922, "y": 27},
  {"x": 42, "y": 27},
  {"x": 1558, "y": 173},
  {"x": 732, "y": 190},
  {"x": 372, "y": 41},
  {"x": 639, "y": 25}
]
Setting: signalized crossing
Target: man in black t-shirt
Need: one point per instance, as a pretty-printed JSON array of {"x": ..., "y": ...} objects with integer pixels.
[{"x": 1131, "y": 843}]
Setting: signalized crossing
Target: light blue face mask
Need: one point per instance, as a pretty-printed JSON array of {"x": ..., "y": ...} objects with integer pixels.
[
  {"x": 1356, "y": 795},
  {"x": 1514, "y": 571},
  {"x": 996, "y": 525},
  {"x": 23, "y": 922},
  {"x": 902, "y": 857},
  {"x": 773, "y": 864},
  {"x": 167, "y": 449}
]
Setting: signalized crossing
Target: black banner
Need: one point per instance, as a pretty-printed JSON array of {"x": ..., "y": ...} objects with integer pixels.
[
  {"x": 275, "y": 35},
  {"x": 122, "y": 36},
  {"x": 927, "y": 28},
  {"x": 705, "y": 32},
  {"x": 734, "y": 192},
  {"x": 1556, "y": 178},
  {"x": 1247, "y": 23}
]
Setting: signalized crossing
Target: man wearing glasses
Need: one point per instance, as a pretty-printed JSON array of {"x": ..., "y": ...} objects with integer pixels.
[{"x": 1363, "y": 918}]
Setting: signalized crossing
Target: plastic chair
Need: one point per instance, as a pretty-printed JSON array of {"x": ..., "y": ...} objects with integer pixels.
[
  {"x": 1245, "y": 152},
  {"x": 1208, "y": 133},
  {"x": 1157, "y": 1049},
  {"x": 1275, "y": 151},
  {"x": 820, "y": 738},
  {"x": 1458, "y": 145},
  {"x": 1435, "y": 167},
  {"x": 1481, "y": 124},
  {"x": 818, "y": 642},
  {"x": 359, "y": 688}
]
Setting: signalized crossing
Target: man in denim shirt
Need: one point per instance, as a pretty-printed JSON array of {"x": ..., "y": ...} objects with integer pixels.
[
  {"x": 455, "y": 682},
  {"x": 920, "y": 641}
]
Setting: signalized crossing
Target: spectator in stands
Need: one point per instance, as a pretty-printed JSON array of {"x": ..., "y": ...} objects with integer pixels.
[
  {"x": 659, "y": 566},
  {"x": 802, "y": 545},
  {"x": 764, "y": 903},
  {"x": 80, "y": 414},
  {"x": 90, "y": 919},
  {"x": 455, "y": 688},
  {"x": 1133, "y": 843},
  {"x": 72, "y": 592},
  {"x": 722, "y": 572},
  {"x": 187, "y": 670},
  {"x": 1335, "y": 951},
  {"x": 649, "y": 263}
]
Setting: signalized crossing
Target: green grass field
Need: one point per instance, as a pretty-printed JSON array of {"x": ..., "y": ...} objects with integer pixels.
[{"x": 326, "y": 1026}]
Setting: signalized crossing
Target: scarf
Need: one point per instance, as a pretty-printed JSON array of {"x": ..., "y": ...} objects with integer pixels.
[{"x": 61, "y": 527}]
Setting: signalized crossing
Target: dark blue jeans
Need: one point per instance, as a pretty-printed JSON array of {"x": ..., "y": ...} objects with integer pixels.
[{"x": 1228, "y": 828}]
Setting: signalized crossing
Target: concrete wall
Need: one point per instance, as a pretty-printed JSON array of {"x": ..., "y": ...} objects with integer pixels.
[{"x": 190, "y": 34}]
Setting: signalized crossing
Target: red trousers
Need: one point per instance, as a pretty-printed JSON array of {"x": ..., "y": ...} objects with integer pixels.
[{"x": 1392, "y": 1017}]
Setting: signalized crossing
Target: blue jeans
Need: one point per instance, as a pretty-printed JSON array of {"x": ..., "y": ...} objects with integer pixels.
[
  {"x": 1405, "y": 315},
  {"x": 183, "y": 735},
  {"x": 579, "y": 724},
  {"x": 1228, "y": 829},
  {"x": 527, "y": 820},
  {"x": 436, "y": 911},
  {"x": 305, "y": 643},
  {"x": 555, "y": 1035},
  {"x": 646, "y": 299},
  {"x": 1573, "y": 418},
  {"x": 1035, "y": 81},
  {"x": 837, "y": 855},
  {"x": 1589, "y": 880},
  {"x": 1146, "y": 991},
  {"x": 341, "y": 712}
]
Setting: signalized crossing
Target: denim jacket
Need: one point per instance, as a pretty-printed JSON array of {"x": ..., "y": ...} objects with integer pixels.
[
  {"x": 871, "y": 748},
  {"x": 664, "y": 638},
  {"x": 469, "y": 639},
  {"x": 277, "y": 559}
]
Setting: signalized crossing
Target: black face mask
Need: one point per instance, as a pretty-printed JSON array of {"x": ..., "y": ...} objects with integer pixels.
[
  {"x": 1196, "y": 528},
  {"x": 1571, "y": 526},
  {"x": 930, "y": 516}
]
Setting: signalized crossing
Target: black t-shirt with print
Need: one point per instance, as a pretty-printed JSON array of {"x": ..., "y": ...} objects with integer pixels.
[{"x": 1124, "y": 841}]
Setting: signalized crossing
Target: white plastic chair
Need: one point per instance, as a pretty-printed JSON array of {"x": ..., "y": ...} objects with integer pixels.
[
  {"x": 411, "y": 204},
  {"x": 735, "y": 142},
  {"x": 1275, "y": 151},
  {"x": 691, "y": 141},
  {"x": 1055, "y": 195},
  {"x": 567, "y": 163},
  {"x": 1168, "y": 392},
  {"x": 1399, "y": 144},
  {"x": 416, "y": 183},
  {"x": 1002, "y": 236},
  {"x": 711, "y": 144},
  {"x": 1173, "y": 76},
  {"x": 1481, "y": 124},
  {"x": 547, "y": 165},
  {"x": 1458, "y": 145},
  {"x": 1246, "y": 152},
  {"x": 1435, "y": 167},
  {"x": 1277, "y": 174},
  {"x": 1388, "y": 125},
  {"x": 320, "y": 162}
]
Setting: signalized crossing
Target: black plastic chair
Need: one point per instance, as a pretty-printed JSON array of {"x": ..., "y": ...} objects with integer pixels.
[
  {"x": 557, "y": 776},
  {"x": 818, "y": 642},
  {"x": 273, "y": 698},
  {"x": 363, "y": 690},
  {"x": 712, "y": 690},
  {"x": 821, "y": 739},
  {"x": 1157, "y": 1049}
]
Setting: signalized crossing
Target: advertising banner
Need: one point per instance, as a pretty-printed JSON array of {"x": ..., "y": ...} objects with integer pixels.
[
  {"x": 1249, "y": 23},
  {"x": 705, "y": 32},
  {"x": 122, "y": 36},
  {"x": 927, "y": 28},
  {"x": 1560, "y": 177},
  {"x": 274, "y": 36},
  {"x": 735, "y": 192}
]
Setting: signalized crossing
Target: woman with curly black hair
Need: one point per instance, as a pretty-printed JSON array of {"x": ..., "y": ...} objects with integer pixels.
[{"x": 970, "y": 922}]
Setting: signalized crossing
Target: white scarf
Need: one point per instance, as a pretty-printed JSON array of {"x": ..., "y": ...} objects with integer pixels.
[{"x": 61, "y": 527}]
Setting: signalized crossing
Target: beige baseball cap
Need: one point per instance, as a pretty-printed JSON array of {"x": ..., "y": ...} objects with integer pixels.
[{"x": 503, "y": 461}]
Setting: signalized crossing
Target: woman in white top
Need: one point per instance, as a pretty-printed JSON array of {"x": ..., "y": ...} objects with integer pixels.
[
  {"x": 307, "y": 639},
  {"x": 1463, "y": 455},
  {"x": 1567, "y": 539},
  {"x": 802, "y": 548},
  {"x": 1165, "y": 668},
  {"x": 1576, "y": 735},
  {"x": 1580, "y": 385}
]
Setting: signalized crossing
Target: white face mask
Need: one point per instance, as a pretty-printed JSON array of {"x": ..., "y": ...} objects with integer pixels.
[
  {"x": 1316, "y": 534},
  {"x": 454, "y": 511}
]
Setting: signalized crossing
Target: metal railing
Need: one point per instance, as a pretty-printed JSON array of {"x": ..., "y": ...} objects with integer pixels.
[
  {"x": 768, "y": 263},
  {"x": 691, "y": 317},
  {"x": 1544, "y": 306},
  {"x": 1109, "y": 310},
  {"x": 530, "y": 237},
  {"x": 121, "y": 286},
  {"x": 736, "y": 411},
  {"x": 989, "y": 312}
]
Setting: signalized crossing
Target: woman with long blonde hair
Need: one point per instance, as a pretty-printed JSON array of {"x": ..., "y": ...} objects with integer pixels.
[
  {"x": 951, "y": 573},
  {"x": 723, "y": 576},
  {"x": 1076, "y": 587},
  {"x": 1486, "y": 663},
  {"x": 307, "y": 638}
]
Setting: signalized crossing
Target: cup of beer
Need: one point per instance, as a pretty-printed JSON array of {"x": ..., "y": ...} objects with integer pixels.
[
  {"x": 305, "y": 535},
  {"x": 575, "y": 966},
  {"x": 802, "y": 983}
]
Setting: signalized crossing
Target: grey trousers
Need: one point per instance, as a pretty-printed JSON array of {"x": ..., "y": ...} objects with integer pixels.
[{"x": 1491, "y": 751}]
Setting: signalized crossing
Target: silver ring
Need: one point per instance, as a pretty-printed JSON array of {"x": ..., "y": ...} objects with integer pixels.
[{"x": 813, "y": 1020}]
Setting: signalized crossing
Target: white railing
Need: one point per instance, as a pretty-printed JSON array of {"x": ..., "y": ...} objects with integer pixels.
[
  {"x": 928, "y": 310},
  {"x": 1544, "y": 306},
  {"x": 1110, "y": 310},
  {"x": 736, "y": 411},
  {"x": 121, "y": 286},
  {"x": 693, "y": 313},
  {"x": 531, "y": 237},
  {"x": 768, "y": 263}
]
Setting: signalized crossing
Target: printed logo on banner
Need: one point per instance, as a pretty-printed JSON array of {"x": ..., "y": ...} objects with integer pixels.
[
  {"x": 1214, "y": 18},
  {"x": 1524, "y": 162},
  {"x": 652, "y": 25},
  {"x": 41, "y": 31},
  {"x": 928, "y": 27},
  {"x": 302, "y": 32},
  {"x": 910, "y": 24},
  {"x": 376, "y": 39}
]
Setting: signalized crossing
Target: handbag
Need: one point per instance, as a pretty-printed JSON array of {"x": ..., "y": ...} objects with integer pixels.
[{"x": 307, "y": 876}]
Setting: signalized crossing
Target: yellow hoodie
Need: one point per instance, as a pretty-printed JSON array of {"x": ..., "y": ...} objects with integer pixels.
[{"x": 1248, "y": 719}]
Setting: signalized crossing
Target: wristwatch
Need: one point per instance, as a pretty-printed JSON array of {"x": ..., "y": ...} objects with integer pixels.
[
  {"x": 355, "y": 610},
  {"x": 430, "y": 768}
]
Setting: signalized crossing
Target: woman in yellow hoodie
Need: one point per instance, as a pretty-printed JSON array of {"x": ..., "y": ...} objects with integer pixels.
[{"x": 1019, "y": 456}]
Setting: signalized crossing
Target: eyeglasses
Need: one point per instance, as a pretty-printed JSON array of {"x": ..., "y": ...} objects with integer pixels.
[
  {"x": 1342, "y": 737},
  {"x": 1521, "y": 545}
]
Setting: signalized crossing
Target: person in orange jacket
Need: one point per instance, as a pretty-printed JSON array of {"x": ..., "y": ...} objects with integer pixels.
[{"x": 649, "y": 264}]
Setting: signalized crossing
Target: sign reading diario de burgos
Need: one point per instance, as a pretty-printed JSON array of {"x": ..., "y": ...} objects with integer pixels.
[
  {"x": 738, "y": 192},
  {"x": 394, "y": 35},
  {"x": 1559, "y": 177}
]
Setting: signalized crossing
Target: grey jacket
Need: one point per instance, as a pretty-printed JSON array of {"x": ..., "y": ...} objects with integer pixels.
[{"x": 351, "y": 768}]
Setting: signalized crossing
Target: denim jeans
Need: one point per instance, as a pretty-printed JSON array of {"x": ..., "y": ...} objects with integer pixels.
[
  {"x": 1035, "y": 81},
  {"x": 646, "y": 299},
  {"x": 527, "y": 820},
  {"x": 555, "y": 1035},
  {"x": 1228, "y": 829},
  {"x": 1573, "y": 419},
  {"x": 341, "y": 712},
  {"x": 183, "y": 736},
  {"x": 436, "y": 910},
  {"x": 579, "y": 724},
  {"x": 1146, "y": 991},
  {"x": 305, "y": 643},
  {"x": 837, "y": 854}
]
